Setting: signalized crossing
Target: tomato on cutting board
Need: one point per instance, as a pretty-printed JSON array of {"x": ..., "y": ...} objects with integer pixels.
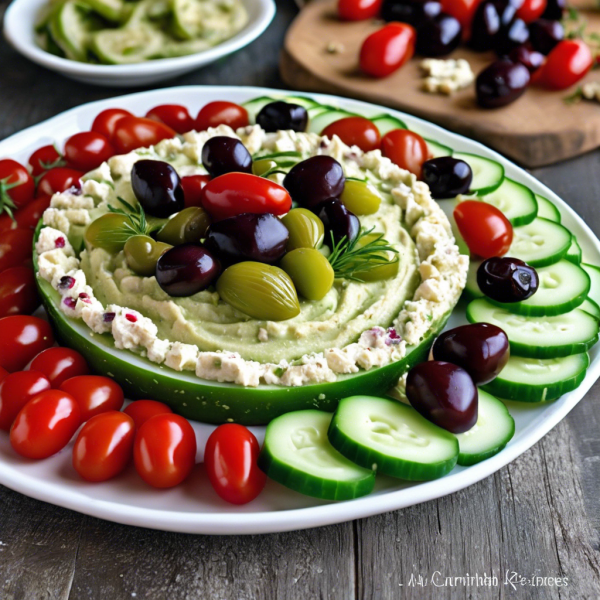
[
  {"x": 387, "y": 49},
  {"x": 358, "y": 10},
  {"x": 568, "y": 62}
]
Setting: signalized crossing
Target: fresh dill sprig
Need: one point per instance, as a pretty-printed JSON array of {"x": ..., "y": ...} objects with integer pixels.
[{"x": 136, "y": 216}]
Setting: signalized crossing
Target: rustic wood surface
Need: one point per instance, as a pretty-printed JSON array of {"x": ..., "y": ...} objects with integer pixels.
[{"x": 539, "y": 516}]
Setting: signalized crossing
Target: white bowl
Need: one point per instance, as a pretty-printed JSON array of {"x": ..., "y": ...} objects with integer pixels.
[{"x": 21, "y": 16}]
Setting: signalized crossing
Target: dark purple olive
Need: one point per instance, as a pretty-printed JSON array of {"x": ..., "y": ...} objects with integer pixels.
[
  {"x": 510, "y": 36},
  {"x": 338, "y": 221},
  {"x": 444, "y": 394},
  {"x": 506, "y": 279},
  {"x": 507, "y": 9},
  {"x": 545, "y": 34},
  {"x": 157, "y": 187},
  {"x": 532, "y": 59},
  {"x": 186, "y": 270},
  {"x": 280, "y": 115},
  {"x": 438, "y": 36},
  {"x": 555, "y": 10},
  {"x": 501, "y": 83},
  {"x": 223, "y": 154},
  {"x": 486, "y": 24},
  {"x": 315, "y": 180},
  {"x": 260, "y": 238},
  {"x": 446, "y": 176},
  {"x": 480, "y": 349},
  {"x": 413, "y": 12}
]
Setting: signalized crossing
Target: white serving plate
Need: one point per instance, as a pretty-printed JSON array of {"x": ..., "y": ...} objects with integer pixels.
[
  {"x": 194, "y": 507},
  {"x": 21, "y": 16}
]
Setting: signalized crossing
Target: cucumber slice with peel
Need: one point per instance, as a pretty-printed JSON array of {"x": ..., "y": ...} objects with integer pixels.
[
  {"x": 541, "y": 243},
  {"x": 436, "y": 149},
  {"x": 392, "y": 438},
  {"x": 297, "y": 454},
  {"x": 322, "y": 120},
  {"x": 594, "y": 273},
  {"x": 574, "y": 252},
  {"x": 472, "y": 290},
  {"x": 493, "y": 430},
  {"x": 70, "y": 29},
  {"x": 487, "y": 173},
  {"x": 591, "y": 308},
  {"x": 128, "y": 46},
  {"x": 255, "y": 105},
  {"x": 516, "y": 201},
  {"x": 112, "y": 10},
  {"x": 305, "y": 101},
  {"x": 547, "y": 209},
  {"x": 387, "y": 123}
]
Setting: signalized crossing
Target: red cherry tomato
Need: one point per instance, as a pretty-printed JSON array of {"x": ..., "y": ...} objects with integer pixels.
[
  {"x": 15, "y": 248},
  {"x": 18, "y": 292},
  {"x": 27, "y": 217},
  {"x": 3, "y": 374},
  {"x": 88, "y": 150},
  {"x": 104, "y": 446},
  {"x": 358, "y": 10},
  {"x": 406, "y": 149},
  {"x": 106, "y": 122},
  {"x": 164, "y": 451},
  {"x": 59, "y": 179},
  {"x": 22, "y": 338},
  {"x": 44, "y": 159},
  {"x": 355, "y": 131},
  {"x": 175, "y": 116},
  {"x": 231, "y": 463},
  {"x": 462, "y": 11},
  {"x": 16, "y": 185},
  {"x": 142, "y": 410},
  {"x": 60, "y": 364},
  {"x": 132, "y": 133},
  {"x": 566, "y": 64},
  {"x": 45, "y": 424},
  {"x": 486, "y": 231},
  {"x": 387, "y": 49},
  {"x": 236, "y": 193},
  {"x": 16, "y": 390},
  {"x": 531, "y": 10},
  {"x": 94, "y": 394},
  {"x": 192, "y": 189},
  {"x": 222, "y": 113}
]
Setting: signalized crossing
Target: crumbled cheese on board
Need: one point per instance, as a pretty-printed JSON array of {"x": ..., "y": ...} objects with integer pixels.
[{"x": 444, "y": 76}]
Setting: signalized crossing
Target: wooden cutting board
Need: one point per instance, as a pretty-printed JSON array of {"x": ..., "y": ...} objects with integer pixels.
[{"x": 538, "y": 129}]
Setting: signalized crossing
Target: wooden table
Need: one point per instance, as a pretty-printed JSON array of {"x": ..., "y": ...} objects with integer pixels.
[{"x": 538, "y": 516}]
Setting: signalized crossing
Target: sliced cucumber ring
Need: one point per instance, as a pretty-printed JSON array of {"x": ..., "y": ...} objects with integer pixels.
[
  {"x": 109, "y": 9},
  {"x": 70, "y": 29},
  {"x": 591, "y": 308},
  {"x": 594, "y": 272},
  {"x": 392, "y": 438},
  {"x": 255, "y": 105},
  {"x": 128, "y": 46},
  {"x": 574, "y": 253},
  {"x": 436, "y": 150},
  {"x": 515, "y": 200},
  {"x": 540, "y": 243},
  {"x": 323, "y": 119},
  {"x": 387, "y": 123},
  {"x": 297, "y": 454},
  {"x": 308, "y": 103},
  {"x": 547, "y": 209},
  {"x": 472, "y": 290},
  {"x": 487, "y": 173}
]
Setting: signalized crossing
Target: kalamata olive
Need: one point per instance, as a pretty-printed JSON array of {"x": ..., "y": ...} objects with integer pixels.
[
  {"x": 510, "y": 36},
  {"x": 443, "y": 393},
  {"x": 223, "y": 154},
  {"x": 315, "y": 180},
  {"x": 506, "y": 279},
  {"x": 413, "y": 12},
  {"x": 555, "y": 9},
  {"x": 360, "y": 197},
  {"x": 280, "y": 115},
  {"x": 186, "y": 270},
  {"x": 544, "y": 34},
  {"x": 142, "y": 254},
  {"x": 187, "y": 226},
  {"x": 501, "y": 83},
  {"x": 310, "y": 271},
  {"x": 157, "y": 187},
  {"x": 447, "y": 177},
  {"x": 485, "y": 26},
  {"x": 339, "y": 222},
  {"x": 305, "y": 228},
  {"x": 532, "y": 59},
  {"x": 480, "y": 349},
  {"x": 438, "y": 36},
  {"x": 256, "y": 237}
]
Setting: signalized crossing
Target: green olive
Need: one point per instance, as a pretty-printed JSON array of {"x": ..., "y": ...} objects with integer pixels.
[
  {"x": 142, "y": 254},
  {"x": 109, "y": 231},
  {"x": 360, "y": 198},
  {"x": 310, "y": 271},
  {"x": 260, "y": 167},
  {"x": 306, "y": 229},
  {"x": 384, "y": 270},
  {"x": 260, "y": 291},
  {"x": 186, "y": 226}
]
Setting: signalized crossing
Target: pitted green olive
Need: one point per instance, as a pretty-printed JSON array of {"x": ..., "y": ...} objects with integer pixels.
[
  {"x": 360, "y": 198},
  {"x": 384, "y": 270},
  {"x": 109, "y": 231},
  {"x": 142, "y": 254},
  {"x": 260, "y": 167},
  {"x": 310, "y": 271},
  {"x": 185, "y": 227},
  {"x": 306, "y": 229}
]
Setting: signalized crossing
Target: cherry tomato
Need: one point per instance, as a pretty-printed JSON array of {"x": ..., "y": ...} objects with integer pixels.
[
  {"x": 16, "y": 390},
  {"x": 462, "y": 11},
  {"x": 3, "y": 374},
  {"x": 358, "y": 10},
  {"x": 44, "y": 159},
  {"x": 566, "y": 64},
  {"x": 132, "y": 133},
  {"x": 18, "y": 292},
  {"x": 22, "y": 339},
  {"x": 27, "y": 217},
  {"x": 175, "y": 116},
  {"x": 95, "y": 394},
  {"x": 222, "y": 113},
  {"x": 486, "y": 231},
  {"x": 230, "y": 458},
  {"x": 15, "y": 248},
  {"x": 531, "y": 10},
  {"x": 355, "y": 131},
  {"x": 164, "y": 451},
  {"x": 106, "y": 122},
  {"x": 192, "y": 189},
  {"x": 16, "y": 185},
  {"x": 142, "y": 410},
  {"x": 59, "y": 179},
  {"x": 387, "y": 49},
  {"x": 104, "y": 446},
  {"x": 45, "y": 424},
  {"x": 88, "y": 150},
  {"x": 406, "y": 149},
  {"x": 236, "y": 193},
  {"x": 60, "y": 364}
]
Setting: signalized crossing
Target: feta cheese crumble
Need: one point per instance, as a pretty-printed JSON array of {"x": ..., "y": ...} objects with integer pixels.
[{"x": 445, "y": 76}]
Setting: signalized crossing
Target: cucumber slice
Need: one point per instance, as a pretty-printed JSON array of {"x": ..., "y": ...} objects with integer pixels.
[
  {"x": 493, "y": 430},
  {"x": 563, "y": 287},
  {"x": 591, "y": 308},
  {"x": 594, "y": 272},
  {"x": 536, "y": 380},
  {"x": 574, "y": 252},
  {"x": 113, "y": 10},
  {"x": 70, "y": 29},
  {"x": 128, "y": 45},
  {"x": 323, "y": 119},
  {"x": 392, "y": 438},
  {"x": 437, "y": 150},
  {"x": 539, "y": 337},
  {"x": 487, "y": 173},
  {"x": 547, "y": 209},
  {"x": 297, "y": 454},
  {"x": 472, "y": 290},
  {"x": 515, "y": 200},
  {"x": 387, "y": 123},
  {"x": 187, "y": 19},
  {"x": 255, "y": 105},
  {"x": 308, "y": 103},
  {"x": 540, "y": 243}
]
